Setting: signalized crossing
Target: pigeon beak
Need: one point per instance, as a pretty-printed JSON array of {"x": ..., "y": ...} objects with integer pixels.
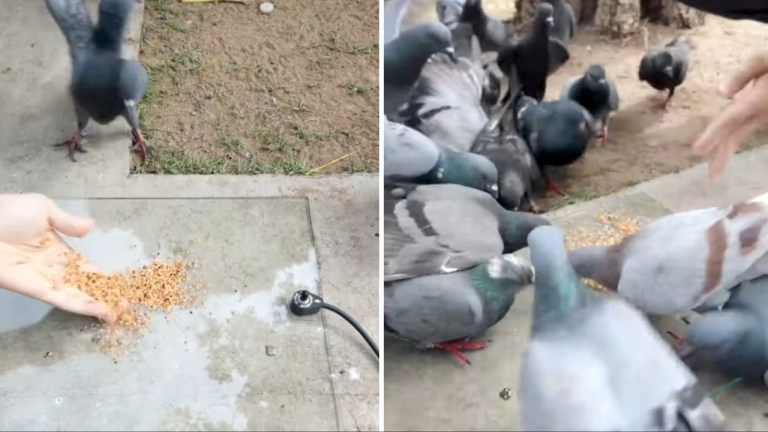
[
  {"x": 668, "y": 70},
  {"x": 551, "y": 21},
  {"x": 451, "y": 53},
  {"x": 493, "y": 189},
  {"x": 601, "y": 81}
]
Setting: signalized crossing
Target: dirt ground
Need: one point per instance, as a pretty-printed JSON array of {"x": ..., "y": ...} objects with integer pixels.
[
  {"x": 648, "y": 142},
  {"x": 240, "y": 92}
]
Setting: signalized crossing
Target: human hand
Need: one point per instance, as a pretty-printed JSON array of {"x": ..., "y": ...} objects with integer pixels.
[
  {"x": 34, "y": 258},
  {"x": 734, "y": 126}
]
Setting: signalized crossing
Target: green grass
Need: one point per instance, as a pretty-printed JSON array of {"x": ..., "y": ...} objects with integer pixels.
[{"x": 176, "y": 161}]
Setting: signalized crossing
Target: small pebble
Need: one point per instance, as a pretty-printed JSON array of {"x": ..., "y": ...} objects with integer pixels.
[
  {"x": 505, "y": 393},
  {"x": 271, "y": 351},
  {"x": 266, "y": 7}
]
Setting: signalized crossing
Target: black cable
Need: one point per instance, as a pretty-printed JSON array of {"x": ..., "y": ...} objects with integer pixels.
[
  {"x": 355, "y": 324},
  {"x": 305, "y": 303}
]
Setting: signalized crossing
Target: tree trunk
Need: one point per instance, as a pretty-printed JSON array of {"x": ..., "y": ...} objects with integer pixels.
[{"x": 621, "y": 18}]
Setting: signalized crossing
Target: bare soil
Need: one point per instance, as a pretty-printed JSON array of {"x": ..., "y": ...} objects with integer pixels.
[
  {"x": 237, "y": 91},
  {"x": 647, "y": 141}
]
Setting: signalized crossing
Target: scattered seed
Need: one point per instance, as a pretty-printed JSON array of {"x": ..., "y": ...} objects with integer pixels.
[{"x": 266, "y": 7}]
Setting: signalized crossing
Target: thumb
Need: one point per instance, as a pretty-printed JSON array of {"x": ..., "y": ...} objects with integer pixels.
[
  {"x": 67, "y": 223},
  {"x": 755, "y": 67}
]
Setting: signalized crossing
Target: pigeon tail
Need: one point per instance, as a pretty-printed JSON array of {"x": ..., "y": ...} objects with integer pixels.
[
  {"x": 558, "y": 292},
  {"x": 113, "y": 20},
  {"x": 72, "y": 18}
]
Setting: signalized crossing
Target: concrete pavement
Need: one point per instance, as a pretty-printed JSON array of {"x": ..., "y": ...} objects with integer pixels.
[
  {"x": 432, "y": 391},
  {"x": 264, "y": 236}
]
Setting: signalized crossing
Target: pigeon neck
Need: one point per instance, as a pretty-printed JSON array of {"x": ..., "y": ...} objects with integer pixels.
[
  {"x": 514, "y": 228},
  {"x": 403, "y": 60},
  {"x": 449, "y": 169},
  {"x": 600, "y": 263},
  {"x": 497, "y": 294},
  {"x": 558, "y": 293}
]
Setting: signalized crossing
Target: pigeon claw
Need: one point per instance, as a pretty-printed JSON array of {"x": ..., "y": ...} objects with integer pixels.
[
  {"x": 554, "y": 187},
  {"x": 604, "y": 138},
  {"x": 140, "y": 146},
  {"x": 73, "y": 144},
  {"x": 456, "y": 347}
]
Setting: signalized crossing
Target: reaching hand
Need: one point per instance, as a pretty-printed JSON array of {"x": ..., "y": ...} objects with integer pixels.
[
  {"x": 734, "y": 126},
  {"x": 34, "y": 258}
]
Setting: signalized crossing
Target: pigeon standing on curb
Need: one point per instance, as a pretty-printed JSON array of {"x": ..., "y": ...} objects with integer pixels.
[
  {"x": 595, "y": 363},
  {"x": 684, "y": 261},
  {"x": 734, "y": 338},
  {"x": 104, "y": 86},
  {"x": 445, "y": 311}
]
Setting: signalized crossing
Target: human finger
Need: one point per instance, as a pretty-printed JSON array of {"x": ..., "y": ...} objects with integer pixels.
[
  {"x": 721, "y": 128},
  {"x": 66, "y": 223},
  {"x": 755, "y": 67},
  {"x": 24, "y": 280},
  {"x": 725, "y": 152}
]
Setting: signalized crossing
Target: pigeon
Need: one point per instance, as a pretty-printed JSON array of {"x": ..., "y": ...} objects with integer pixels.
[
  {"x": 535, "y": 56},
  {"x": 665, "y": 67},
  {"x": 446, "y": 104},
  {"x": 596, "y": 363},
  {"x": 683, "y": 261},
  {"x": 492, "y": 33},
  {"x": 444, "y": 228},
  {"x": 595, "y": 92},
  {"x": 410, "y": 156},
  {"x": 394, "y": 12},
  {"x": 557, "y": 132},
  {"x": 517, "y": 169},
  {"x": 405, "y": 57},
  {"x": 467, "y": 45},
  {"x": 734, "y": 338},
  {"x": 564, "y": 24},
  {"x": 445, "y": 311},
  {"x": 104, "y": 86}
]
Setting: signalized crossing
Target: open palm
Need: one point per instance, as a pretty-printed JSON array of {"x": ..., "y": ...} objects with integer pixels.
[{"x": 33, "y": 256}]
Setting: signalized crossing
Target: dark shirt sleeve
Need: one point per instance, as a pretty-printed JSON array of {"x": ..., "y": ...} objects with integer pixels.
[{"x": 756, "y": 10}]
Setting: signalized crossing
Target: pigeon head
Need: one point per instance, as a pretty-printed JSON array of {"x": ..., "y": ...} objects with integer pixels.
[
  {"x": 595, "y": 76},
  {"x": 511, "y": 190},
  {"x": 511, "y": 268},
  {"x": 471, "y": 170},
  {"x": 433, "y": 37},
  {"x": 664, "y": 63},
  {"x": 545, "y": 14}
]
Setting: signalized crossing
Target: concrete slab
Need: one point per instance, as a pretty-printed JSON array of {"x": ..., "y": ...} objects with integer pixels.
[{"x": 203, "y": 368}]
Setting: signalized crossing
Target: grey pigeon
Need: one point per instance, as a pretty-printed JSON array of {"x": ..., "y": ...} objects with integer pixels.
[
  {"x": 410, "y": 156},
  {"x": 665, "y": 67},
  {"x": 444, "y": 311},
  {"x": 104, "y": 86},
  {"x": 517, "y": 168},
  {"x": 467, "y": 45},
  {"x": 444, "y": 228},
  {"x": 595, "y": 92},
  {"x": 534, "y": 57},
  {"x": 735, "y": 339},
  {"x": 394, "y": 12},
  {"x": 557, "y": 132},
  {"x": 449, "y": 12},
  {"x": 446, "y": 103},
  {"x": 405, "y": 57},
  {"x": 492, "y": 33},
  {"x": 595, "y": 363},
  {"x": 564, "y": 25},
  {"x": 683, "y": 261}
]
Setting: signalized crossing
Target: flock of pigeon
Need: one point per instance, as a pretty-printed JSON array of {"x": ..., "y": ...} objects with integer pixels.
[
  {"x": 104, "y": 86},
  {"x": 460, "y": 157}
]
